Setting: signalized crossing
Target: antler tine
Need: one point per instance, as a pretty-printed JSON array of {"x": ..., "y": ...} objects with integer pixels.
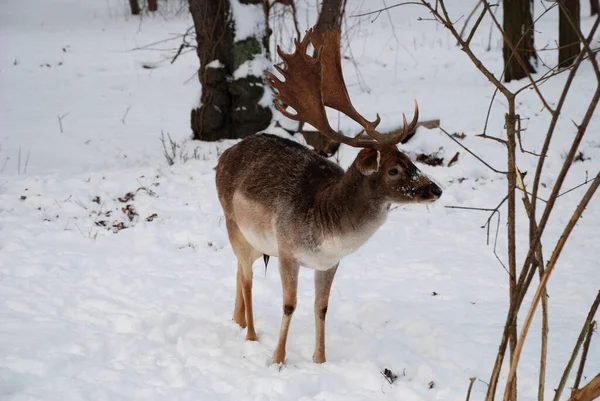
[
  {"x": 302, "y": 90},
  {"x": 398, "y": 137}
]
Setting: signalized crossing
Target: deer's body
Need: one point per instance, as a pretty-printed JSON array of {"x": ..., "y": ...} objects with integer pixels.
[
  {"x": 281, "y": 199},
  {"x": 287, "y": 199}
]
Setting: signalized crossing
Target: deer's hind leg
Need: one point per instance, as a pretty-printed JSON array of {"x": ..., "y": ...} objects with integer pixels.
[{"x": 246, "y": 255}]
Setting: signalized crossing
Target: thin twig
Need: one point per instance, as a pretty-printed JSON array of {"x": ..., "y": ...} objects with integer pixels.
[
  {"x": 125, "y": 115},
  {"x": 472, "y": 380},
  {"x": 379, "y": 11},
  {"x": 584, "y": 352},
  {"x": 60, "y": 118},
  {"x": 468, "y": 150}
]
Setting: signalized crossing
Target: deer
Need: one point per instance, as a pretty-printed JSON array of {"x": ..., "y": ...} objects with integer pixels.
[{"x": 281, "y": 199}]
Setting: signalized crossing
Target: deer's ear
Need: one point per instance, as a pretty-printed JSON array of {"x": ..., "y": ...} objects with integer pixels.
[{"x": 368, "y": 161}]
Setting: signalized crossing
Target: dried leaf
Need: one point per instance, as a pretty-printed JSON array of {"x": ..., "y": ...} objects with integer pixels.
[
  {"x": 118, "y": 227},
  {"x": 431, "y": 160},
  {"x": 130, "y": 211},
  {"x": 128, "y": 196},
  {"x": 453, "y": 160},
  {"x": 390, "y": 376}
]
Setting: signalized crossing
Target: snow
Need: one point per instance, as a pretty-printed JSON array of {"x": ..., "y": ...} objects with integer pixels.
[
  {"x": 145, "y": 313},
  {"x": 249, "y": 20},
  {"x": 216, "y": 64}
]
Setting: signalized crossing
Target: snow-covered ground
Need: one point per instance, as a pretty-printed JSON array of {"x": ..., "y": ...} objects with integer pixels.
[{"x": 94, "y": 306}]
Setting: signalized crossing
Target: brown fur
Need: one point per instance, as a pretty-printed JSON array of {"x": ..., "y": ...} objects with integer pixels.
[{"x": 306, "y": 210}]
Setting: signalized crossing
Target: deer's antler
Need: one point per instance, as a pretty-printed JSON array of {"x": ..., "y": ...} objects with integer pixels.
[{"x": 313, "y": 83}]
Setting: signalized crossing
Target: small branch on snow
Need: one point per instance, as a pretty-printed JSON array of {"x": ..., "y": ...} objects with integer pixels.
[
  {"x": 125, "y": 115},
  {"x": 60, "y": 118}
]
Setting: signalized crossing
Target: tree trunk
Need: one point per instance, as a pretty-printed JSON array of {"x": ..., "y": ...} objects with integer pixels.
[
  {"x": 518, "y": 25},
  {"x": 568, "y": 28},
  {"x": 330, "y": 17},
  {"x": 594, "y": 7},
  {"x": 251, "y": 108},
  {"x": 331, "y": 14},
  {"x": 152, "y": 5},
  {"x": 230, "y": 74},
  {"x": 135, "y": 7}
]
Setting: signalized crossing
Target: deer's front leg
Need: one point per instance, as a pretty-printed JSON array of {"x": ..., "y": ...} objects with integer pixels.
[
  {"x": 288, "y": 269},
  {"x": 323, "y": 280}
]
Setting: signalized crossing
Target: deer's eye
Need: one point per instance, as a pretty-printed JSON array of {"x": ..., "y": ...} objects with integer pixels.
[{"x": 393, "y": 171}]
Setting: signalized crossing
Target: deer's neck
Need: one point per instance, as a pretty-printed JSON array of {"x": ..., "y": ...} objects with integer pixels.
[{"x": 350, "y": 207}]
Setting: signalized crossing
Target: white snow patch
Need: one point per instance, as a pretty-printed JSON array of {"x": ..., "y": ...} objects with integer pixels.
[
  {"x": 249, "y": 20},
  {"x": 215, "y": 64}
]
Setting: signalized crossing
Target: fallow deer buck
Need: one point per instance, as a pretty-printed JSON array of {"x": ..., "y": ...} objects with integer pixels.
[{"x": 281, "y": 199}]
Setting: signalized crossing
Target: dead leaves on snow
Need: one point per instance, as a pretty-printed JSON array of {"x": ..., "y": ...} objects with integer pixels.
[{"x": 129, "y": 215}]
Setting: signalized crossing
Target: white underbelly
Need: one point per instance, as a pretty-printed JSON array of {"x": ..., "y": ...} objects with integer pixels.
[
  {"x": 330, "y": 252},
  {"x": 264, "y": 242}
]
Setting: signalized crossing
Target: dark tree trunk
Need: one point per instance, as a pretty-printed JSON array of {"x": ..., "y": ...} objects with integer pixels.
[
  {"x": 594, "y": 7},
  {"x": 229, "y": 108},
  {"x": 152, "y": 5},
  {"x": 568, "y": 28},
  {"x": 214, "y": 35},
  {"x": 135, "y": 7},
  {"x": 249, "y": 116},
  {"x": 330, "y": 17},
  {"x": 518, "y": 25},
  {"x": 331, "y": 14}
]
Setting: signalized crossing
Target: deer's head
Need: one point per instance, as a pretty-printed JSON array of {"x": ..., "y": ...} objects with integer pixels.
[
  {"x": 311, "y": 83},
  {"x": 392, "y": 174}
]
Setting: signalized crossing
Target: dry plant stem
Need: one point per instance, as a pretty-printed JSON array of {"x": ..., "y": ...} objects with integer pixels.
[
  {"x": 477, "y": 22},
  {"x": 584, "y": 352},
  {"x": 472, "y": 380},
  {"x": 553, "y": 122},
  {"x": 540, "y": 264},
  {"x": 542, "y": 285},
  {"x": 510, "y": 121},
  {"x": 584, "y": 331},
  {"x": 544, "y": 344},
  {"x": 526, "y": 272},
  {"x": 581, "y": 129},
  {"x": 590, "y": 392}
]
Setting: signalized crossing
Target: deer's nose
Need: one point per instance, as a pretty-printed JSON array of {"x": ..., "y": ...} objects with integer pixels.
[{"x": 435, "y": 191}]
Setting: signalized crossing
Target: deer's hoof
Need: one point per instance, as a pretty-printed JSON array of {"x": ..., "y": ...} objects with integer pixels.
[
  {"x": 251, "y": 337},
  {"x": 319, "y": 358}
]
